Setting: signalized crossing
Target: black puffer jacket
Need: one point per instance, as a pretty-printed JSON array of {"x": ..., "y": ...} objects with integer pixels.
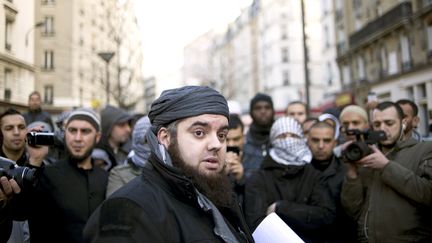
[
  {"x": 302, "y": 196},
  {"x": 159, "y": 206}
]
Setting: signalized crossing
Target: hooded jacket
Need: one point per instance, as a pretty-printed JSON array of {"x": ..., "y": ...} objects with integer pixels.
[
  {"x": 395, "y": 203},
  {"x": 110, "y": 116}
]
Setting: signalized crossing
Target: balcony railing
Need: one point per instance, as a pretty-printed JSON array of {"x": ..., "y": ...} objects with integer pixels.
[{"x": 395, "y": 16}]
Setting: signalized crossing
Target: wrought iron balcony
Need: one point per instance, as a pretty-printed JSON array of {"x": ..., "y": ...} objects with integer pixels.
[{"x": 390, "y": 19}]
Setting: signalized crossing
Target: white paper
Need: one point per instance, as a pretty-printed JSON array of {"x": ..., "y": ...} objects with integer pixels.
[{"x": 273, "y": 229}]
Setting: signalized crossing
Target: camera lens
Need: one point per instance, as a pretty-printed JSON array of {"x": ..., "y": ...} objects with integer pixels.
[
  {"x": 25, "y": 177},
  {"x": 356, "y": 151}
]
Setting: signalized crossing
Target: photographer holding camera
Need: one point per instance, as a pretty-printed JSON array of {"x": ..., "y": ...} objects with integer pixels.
[
  {"x": 15, "y": 153},
  {"x": 389, "y": 191}
]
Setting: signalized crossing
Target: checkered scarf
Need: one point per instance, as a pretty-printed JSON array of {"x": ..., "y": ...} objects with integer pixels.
[{"x": 289, "y": 151}]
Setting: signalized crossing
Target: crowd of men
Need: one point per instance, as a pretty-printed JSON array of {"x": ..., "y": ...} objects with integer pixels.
[{"x": 191, "y": 171}]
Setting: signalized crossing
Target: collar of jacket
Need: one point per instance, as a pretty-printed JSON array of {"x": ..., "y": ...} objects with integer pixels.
[
  {"x": 280, "y": 170},
  {"x": 400, "y": 145},
  {"x": 334, "y": 167},
  {"x": 180, "y": 184}
]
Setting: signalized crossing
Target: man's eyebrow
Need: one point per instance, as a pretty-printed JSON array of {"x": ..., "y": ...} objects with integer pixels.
[
  {"x": 224, "y": 127},
  {"x": 199, "y": 123},
  {"x": 206, "y": 124}
]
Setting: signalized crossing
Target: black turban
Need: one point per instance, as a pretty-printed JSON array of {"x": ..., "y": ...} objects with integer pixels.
[{"x": 188, "y": 101}]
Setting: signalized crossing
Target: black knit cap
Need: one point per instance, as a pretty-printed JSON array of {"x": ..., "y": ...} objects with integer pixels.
[
  {"x": 87, "y": 115},
  {"x": 260, "y": 97}
]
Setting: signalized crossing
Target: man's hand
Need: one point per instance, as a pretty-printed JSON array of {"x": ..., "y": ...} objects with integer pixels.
[
  {"x": 271, "y": 208},
  {"x": 376, "y": 160},
  {"x": 36, "y": 153},
  {"x": 234, "y": 165},
  {"x": 7, "y": 190}
]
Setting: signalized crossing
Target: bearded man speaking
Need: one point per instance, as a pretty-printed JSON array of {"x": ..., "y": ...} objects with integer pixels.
[{"x": 182, "y": 194}]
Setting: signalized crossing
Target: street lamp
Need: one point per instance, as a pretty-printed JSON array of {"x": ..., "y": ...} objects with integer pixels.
[
  {"x": 37, "y": 25},
  {"x": 107, "y": 56}
]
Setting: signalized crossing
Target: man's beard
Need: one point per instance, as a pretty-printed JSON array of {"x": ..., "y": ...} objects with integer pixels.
[
  {"x": 78, "y": 159},
  {"x": 216, "y": 187}
]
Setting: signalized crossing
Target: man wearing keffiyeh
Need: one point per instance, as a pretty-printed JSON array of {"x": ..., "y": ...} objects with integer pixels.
[
  {"x": 183, "y": 194},
  {"x": 288, "y": 185}
]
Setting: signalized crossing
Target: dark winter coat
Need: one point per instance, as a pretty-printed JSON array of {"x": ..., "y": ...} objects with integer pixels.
[
  {"x": 159, "y": 206},
  {"x": 254, "y": 150},
  {"x": 395, "y": 203},
  {"x": 343, "y": 228},
  {"x": 302, "y": 198},
  {"x": 64, "y": 199}
]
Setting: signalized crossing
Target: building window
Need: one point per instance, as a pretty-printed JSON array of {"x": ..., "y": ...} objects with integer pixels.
[
  {"x": 429, "y": 36},
  {"x": 48, "y": 2},
  {"x": 392, "y": 63},
  {"x": 346, "y": 76},
  {"x": 405, "y": 53},
  {"x": 7, "y": 84},
  {"x": 284, "y": 53},
  {"x": 410, "y": 92},
  {"x": 357, "y": 22},
  {"x": 48, "y": 94},
  {"x": 286, "y": 78},
  {"x": 49, "y": 25},
  {"x": 422, "y": 91},
  {"x": 383, "y": 62},
  {"x": 329, "y": 74},
  {"x": 326, "y": 36},
  {"x": 48, "y": 60},
  {"x": 8, "y": 35},
  {"x": 284, "y": 32},
  {"x": 361, "y": 68}
]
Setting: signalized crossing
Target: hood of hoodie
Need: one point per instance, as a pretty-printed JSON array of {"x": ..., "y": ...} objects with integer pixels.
[{"x": 110, "y": 116}]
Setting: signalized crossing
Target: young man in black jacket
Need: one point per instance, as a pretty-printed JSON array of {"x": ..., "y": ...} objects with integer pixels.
[
  {"x": 69, "y": 190},
  {"x": 183, "y": 195}
]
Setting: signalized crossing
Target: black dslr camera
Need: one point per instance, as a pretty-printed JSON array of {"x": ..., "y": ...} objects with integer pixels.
[
  {"x": 359, "y": 149},
  {"x": 24, "y": 176},
  {"x": 40, "y": 138}
]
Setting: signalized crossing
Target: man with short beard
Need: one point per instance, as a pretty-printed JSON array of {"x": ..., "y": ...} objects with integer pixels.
[
  {"x": 389, "y": 191},
  {"x": 69, "y": 190},
  {"x": 183, "y": 194}
]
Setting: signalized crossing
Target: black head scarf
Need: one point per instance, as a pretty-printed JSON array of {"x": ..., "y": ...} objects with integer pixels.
[{"x": 187, "y": 101}]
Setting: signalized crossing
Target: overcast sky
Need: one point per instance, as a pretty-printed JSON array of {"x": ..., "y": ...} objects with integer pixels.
[{"x": 168, "y": 25}]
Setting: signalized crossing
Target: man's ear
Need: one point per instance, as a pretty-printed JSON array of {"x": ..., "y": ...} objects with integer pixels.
[
  {"x": 415, "y": 121},
  {"x": 98, "y": 136},
  {"x": 404, "y": 124},
  {"x": 164, "y": 137}
]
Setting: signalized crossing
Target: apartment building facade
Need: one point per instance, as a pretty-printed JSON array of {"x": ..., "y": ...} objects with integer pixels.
[
  {"x": 262, "y": 51},
  {"x": 385, "y": 47},
  {"x": 72, "y": 72},
  {"x": 17, "y": 69}
]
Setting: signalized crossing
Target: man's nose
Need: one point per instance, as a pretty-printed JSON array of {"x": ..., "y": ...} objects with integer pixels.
[
  {"x": 16, "y": 130},
  {"x": 214, "y": 143}
]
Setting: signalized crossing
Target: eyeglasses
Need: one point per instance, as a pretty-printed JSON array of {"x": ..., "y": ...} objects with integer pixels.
[{"x": 287, "y": 135}]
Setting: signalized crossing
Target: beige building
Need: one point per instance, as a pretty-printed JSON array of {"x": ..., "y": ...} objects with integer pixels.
[
  {"x": 262, "y": 51},
  {"x": 17, "y": 70},
  {"x": 72, "y": 73},
  {"x": 386, "y": 47}
]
